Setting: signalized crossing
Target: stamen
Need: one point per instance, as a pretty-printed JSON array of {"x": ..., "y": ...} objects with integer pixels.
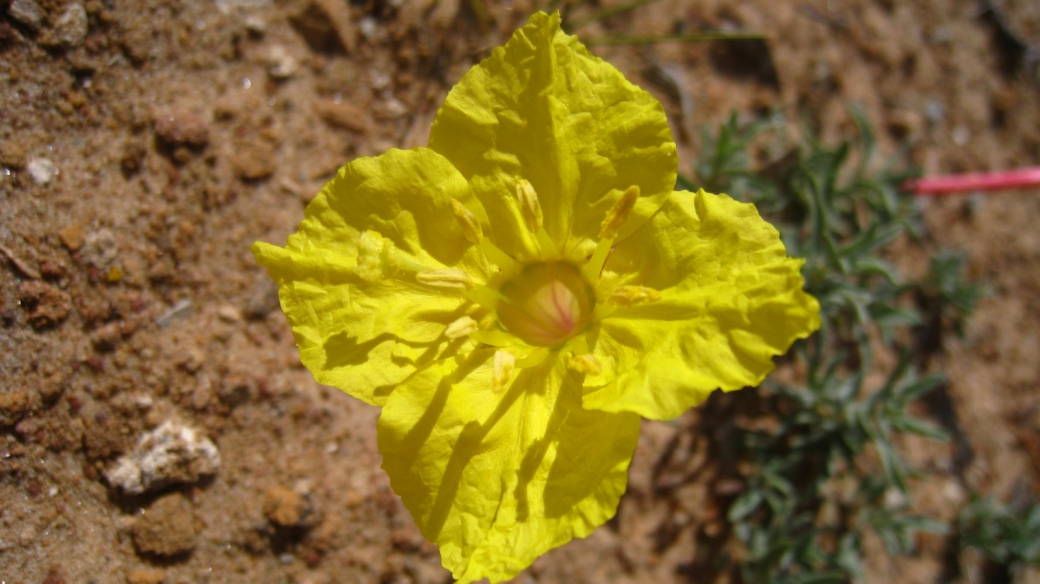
[
  {"x": 497, "y": 257},
  {"x": 461, "y": 328},
  {"x": 467, "y": 221},
  {"x": 449, "y": 278},
  {"x": 632, "y": 295},
  {"x": 617, "y": 216},
  {"x": 487, "y": 297},
  {"x": 504, "y": 364},
  {"x": 529, "y": 205},
  {"x": 592, "y": 268},
  {"x": 587, "y": 364}
]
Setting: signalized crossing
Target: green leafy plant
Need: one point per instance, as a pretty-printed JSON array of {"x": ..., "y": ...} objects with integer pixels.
[
  {"x": 827, "y": 469},
  {"x": 1008, "y": 536}
]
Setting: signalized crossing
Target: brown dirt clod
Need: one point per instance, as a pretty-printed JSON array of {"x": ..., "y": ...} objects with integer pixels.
[
  {"x": 254, "y": 162},
  {"x": 46, "y": 305},
  {"x": 72, "y": 236},
  {"x": 167, "y": 528},
  {"x": 181, "y": 128},
  {"x": 285, "y": 507},
  {"x": 343, "y": 115},
  {"x": 13, "y": 406}
]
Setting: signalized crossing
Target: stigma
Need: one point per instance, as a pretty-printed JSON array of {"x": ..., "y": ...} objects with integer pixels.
[{"x": 546, "y": 304}]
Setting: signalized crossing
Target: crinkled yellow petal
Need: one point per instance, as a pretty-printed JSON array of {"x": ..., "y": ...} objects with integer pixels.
[
  {"x": 544, "y": 109},
  {"x": 346, "y": 279},
  {"x": 730, "y": 300},
  {"x": 498, "y": 478}
]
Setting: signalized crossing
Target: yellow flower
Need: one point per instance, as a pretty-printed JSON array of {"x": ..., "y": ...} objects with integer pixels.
[{"x": 518, "y": 294}]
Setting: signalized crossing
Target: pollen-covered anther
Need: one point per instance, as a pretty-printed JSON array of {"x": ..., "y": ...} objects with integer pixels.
[
  {"x": 376, "y": 257},
  {"x": 461, "y": 328},
  {"x": 618, "y": 214},
  {"x": 586, "y": 363},
  {"x": 467, "y": 221},
  {"x": 449, "y": 278},
  {"x": 504, "y": 364},
  {"x": 530, "y": 208},
  {"x": 632, "y": 295}
]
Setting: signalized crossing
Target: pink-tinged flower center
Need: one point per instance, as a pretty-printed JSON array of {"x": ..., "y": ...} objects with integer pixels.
[{"x": 546, "y": 304}]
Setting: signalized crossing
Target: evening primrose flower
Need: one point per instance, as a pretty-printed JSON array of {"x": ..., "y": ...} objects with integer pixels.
[{"x": 518, "y": 294}]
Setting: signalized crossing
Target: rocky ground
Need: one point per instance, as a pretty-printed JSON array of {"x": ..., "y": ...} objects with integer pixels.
[{"x": 155, "y": 423}]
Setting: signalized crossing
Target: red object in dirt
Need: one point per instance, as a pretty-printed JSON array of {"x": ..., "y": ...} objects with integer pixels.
[{"x": 983, "y": 181}]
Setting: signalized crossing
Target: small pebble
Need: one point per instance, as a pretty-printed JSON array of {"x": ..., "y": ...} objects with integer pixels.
[
  {"x": 42, "y": 170},
  {"x": 253, "y": 162},
  {"x": 181, "y": 128},
  {"x": 368, "y": 27},
  {"x": 342, "y": 115},
  {"x": 280, "y": 64},
  {"x": 172, "y": 453},
  {"x": 26, "y": 12},
  {"x": 71, "y": 28},
  {"x": 256, "y": 25},
  {"x": 228, "y": 313},
  {"x": 12, "y": 155},
  {"x": 263, "y": 300},
  {"x": 394, "y": 108},
  {"x": 934, "y": 111},
  {"x": 961, "y": 135},
  {"x": 100, "y": 248},
  {"x": 72, "y": 236}
]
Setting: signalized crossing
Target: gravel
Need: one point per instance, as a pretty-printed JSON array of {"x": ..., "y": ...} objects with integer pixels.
[{"x": 172, "y": 453}]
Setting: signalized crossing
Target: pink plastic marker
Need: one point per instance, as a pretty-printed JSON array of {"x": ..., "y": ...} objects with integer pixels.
[{"x": 982, "y": 181}]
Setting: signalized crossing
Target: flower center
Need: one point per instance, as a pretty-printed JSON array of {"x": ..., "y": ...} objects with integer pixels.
[{"x": 546, "y": 303}]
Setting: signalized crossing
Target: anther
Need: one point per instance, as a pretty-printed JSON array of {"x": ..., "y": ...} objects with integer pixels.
[
  {"x": 587, "y": 364},
  {"x": 632, "y": 295},
  {"x": 449, "y": 278},
  {"x": 467, "y": 221},
  {"x": 461, "y": 328},
  {"x": 376, "y": 257},
  {"x": 529, "y": 205},
  {"x": 617, "y": 216},
  {"x": 504, "y": 364}
]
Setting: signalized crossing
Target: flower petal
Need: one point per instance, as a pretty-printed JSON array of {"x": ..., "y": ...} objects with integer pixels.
[
  {"x": 498, "y": 478},
  {"x": 544, "y": 109},
  {"x": 361, "y": 320},
  {"x": 730, "y": 301}
]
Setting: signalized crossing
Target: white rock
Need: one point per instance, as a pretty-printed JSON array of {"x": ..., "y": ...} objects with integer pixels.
[
  {"x": 394, "y": 108},
  {"x": 26, "y": 12},
  {"x": 172, "y": 453},
  {"x": 256, "y": 24},
  {"x": 42, "y": 170},
  {"x": 71, "y": 28},
  {"x": 368, "y": 27},
  {"x": 280, "y": 64},
  {"x": 100, "y": 248}
]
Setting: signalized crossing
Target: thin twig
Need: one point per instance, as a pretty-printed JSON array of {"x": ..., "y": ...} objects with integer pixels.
[{"x": 605, "y": 14}]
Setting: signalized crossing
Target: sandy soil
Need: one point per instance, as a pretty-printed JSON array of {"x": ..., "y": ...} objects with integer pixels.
[{"x": 144, "y": 146}]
